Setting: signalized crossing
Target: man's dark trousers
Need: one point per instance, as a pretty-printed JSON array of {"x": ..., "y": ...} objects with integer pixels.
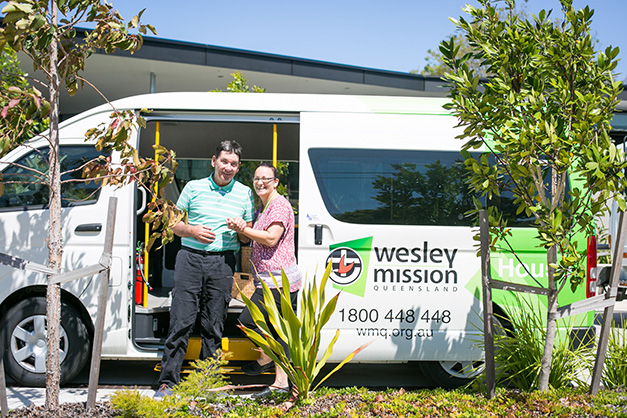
[{"x": 200, "y": 279}]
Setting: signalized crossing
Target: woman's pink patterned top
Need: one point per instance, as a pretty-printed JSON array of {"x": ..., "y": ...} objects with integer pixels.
[{"x": 269, "y": 260}]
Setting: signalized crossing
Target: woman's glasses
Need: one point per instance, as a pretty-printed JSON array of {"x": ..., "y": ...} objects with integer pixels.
[{"x": 263, "y": 179}]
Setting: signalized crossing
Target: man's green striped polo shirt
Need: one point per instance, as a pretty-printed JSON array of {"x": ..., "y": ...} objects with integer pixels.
[{"x": 208, "y": 204}]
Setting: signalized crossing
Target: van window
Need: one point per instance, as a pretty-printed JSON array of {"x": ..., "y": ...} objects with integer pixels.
[
  {"x": 25, "y": 185},
  {"x": 400, "y": 187},
  {"x": 189, "y": 169}
]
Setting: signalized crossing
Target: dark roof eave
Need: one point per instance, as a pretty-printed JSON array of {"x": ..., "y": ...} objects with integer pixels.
[{"x": 214, "y": 56}]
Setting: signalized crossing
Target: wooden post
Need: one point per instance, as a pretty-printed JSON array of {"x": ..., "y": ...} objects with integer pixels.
[
  {"x": 4, "y": 406},
  {"x": 488, "y": 314},
  {"x": 103, "y": 279},
  {"x": 608, "y": 313}
]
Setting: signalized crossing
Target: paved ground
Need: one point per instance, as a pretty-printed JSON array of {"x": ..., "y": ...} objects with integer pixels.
[
  {"x": 18, "y": 397},
  {"x": 116, "y": 375}
]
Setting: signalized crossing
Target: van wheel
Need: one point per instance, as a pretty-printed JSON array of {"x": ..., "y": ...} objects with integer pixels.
[
  {"x": 24, "y": 327},
  {"x": 453, "y": 374}
]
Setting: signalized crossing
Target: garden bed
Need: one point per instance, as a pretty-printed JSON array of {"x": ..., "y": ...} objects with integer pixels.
[{"x": 354, "y": 402}]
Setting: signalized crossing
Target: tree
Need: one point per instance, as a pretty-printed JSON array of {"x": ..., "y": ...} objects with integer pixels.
[
  {"x": 435, "y": 64},
  {"x": 544, "y": 113},
  {"x": 45, "y": 31},
  {"x": 239, "y": 84}
]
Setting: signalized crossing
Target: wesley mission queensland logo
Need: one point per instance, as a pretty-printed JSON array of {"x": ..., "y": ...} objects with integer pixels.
[
  {"x": 350, "y": 265},
  {"x": 424, "y": 268}
]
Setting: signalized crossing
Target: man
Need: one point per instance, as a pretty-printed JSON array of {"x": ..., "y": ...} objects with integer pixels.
[{"x": 203, "y": 274}]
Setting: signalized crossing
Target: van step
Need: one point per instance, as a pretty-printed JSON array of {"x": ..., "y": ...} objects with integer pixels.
[{"x": 228, "y": 369}]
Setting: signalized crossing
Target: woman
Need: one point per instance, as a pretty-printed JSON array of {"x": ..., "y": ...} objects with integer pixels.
[{"x": 273, "y": 248}]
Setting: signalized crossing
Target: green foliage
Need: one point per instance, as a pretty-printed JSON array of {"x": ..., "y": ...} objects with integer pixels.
[
  {"x": 195, "y": 395},
  {"x": 435, "y": 62},
  {"x": 131, "y": 404},
  {"x": 518, "y": 353},
  {"x": 360, "y": 402},
  {"x": 239, "y": 84},
  {"x": 198, "y": 384},
  {"x": 46, "y": 32},
  {"x": 615, "y": 367},
  {"x": 153, "y": 174},
  {"x": 302, "y": 333},
  {"x": 435, "y": 65},
  {"x": 30, "y": 28},
  {"x": 544, "y": 114},
  {"x": 24, "y": 112}
]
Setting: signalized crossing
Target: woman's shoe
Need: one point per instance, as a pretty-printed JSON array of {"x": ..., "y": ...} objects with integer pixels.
[
  {"x": 254, "y": 368},
  {"x": 269, "y": 391}
]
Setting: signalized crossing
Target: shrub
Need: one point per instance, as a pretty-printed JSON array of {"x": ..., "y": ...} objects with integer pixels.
[
  {"x": 518, "y": 354},
  {"x": 615, "y": 367},
  {"x": 195, "y": 392}
]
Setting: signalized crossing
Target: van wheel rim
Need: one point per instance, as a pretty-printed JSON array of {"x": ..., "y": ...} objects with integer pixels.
[
  {"x": 463, "y": 369},
  {"x": 28, "y": 344}
]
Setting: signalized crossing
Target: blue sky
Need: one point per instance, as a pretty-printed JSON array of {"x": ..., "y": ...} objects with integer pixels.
[{"x": 390, "y": 35}]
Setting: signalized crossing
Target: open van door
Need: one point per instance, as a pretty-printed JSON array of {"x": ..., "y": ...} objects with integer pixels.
[{"x": 24, "y": 224}]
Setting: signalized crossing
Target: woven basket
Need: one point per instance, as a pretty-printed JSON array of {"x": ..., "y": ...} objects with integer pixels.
[
  {"x": 242, "y": 283},
  {"x": 246, "y": 251}
]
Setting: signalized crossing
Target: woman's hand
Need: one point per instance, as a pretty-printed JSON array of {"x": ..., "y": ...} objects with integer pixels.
[{"x": 236, "y": 224}]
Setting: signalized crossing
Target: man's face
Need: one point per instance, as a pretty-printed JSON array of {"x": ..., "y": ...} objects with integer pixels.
[{"x": 226, "y": 165}]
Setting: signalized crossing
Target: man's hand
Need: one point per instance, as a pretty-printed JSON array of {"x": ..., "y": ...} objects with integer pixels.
[{"x": 200, "y": 233}]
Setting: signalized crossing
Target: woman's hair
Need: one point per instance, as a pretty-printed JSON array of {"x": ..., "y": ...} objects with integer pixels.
[{"x": 275, "y": 172}]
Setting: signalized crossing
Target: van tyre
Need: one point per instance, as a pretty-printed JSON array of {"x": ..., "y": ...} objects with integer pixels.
[
  {"x": 451, "y": 374},
  {"x": 24, "y": 328}
]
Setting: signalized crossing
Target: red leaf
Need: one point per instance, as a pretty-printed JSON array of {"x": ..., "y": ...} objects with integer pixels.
[
  {"x": 4, "y": 111},
  {"x": 14, "y": 102}
]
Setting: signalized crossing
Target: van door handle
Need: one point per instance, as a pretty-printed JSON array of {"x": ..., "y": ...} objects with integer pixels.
[
  {"x": 144, "y": 199},
  {"x": 318, "y": 234},
  {"x": 89, "y": 228}
]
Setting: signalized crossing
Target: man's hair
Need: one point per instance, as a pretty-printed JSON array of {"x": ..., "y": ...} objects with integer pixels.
[
  {"x": 230, "y": 147},
  {"x": 275, "y": 172}
]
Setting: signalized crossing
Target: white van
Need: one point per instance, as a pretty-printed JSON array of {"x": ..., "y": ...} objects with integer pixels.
[{"x": 378, "y": 186}]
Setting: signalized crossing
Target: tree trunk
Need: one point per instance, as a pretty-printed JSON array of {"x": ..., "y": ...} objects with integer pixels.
[
  {"x": 55, "y": 238},
  {"x": 551, "y": 323}
]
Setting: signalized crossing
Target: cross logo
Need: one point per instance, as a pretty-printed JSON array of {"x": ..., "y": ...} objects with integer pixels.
[{"x": 346, "y": 265}]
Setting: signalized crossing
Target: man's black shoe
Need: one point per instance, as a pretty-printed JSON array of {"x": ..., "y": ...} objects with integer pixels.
[
  {"x": 254, "y": 368},
  {"x": 268, "y": 391}
]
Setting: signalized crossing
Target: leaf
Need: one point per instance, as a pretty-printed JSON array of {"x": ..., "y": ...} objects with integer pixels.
[{"x": 346, "y": 360}]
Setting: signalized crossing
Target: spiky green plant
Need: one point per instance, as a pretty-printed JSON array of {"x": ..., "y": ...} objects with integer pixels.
[
  {"x": 615, "y": 367},
  {"x": 301, "y": 332},
  {"x": 518, "y": 354}
]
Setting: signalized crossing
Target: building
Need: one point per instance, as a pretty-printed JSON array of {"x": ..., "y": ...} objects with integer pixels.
[{"x": 164, "y": 65}]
